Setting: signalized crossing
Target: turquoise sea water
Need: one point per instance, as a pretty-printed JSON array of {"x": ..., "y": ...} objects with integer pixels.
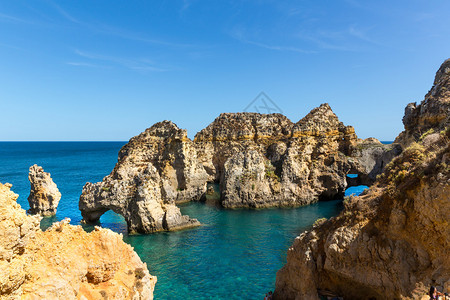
[{"x": 234, "y": 255}]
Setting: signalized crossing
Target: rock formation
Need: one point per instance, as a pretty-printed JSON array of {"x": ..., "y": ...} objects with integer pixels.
[
  {"x": 433, "y": 114},
  {"x": 258, "y": 160},
  {"x": 393, "y": 241},
  {"x": 155, "y": 169},
  {"x": 266, "y": 160},
  {"x": 65, "y": 262},
  {"x": 44, "y": 195}
]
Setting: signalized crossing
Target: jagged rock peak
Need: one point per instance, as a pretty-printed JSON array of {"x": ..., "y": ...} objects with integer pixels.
[
  {"x": 44, "y": 194},
  {"x": 161, "y": 132},
  {"x": 165, "y": 129},
  {"x": 245, "y": 126},
  {"x": 432, "y": 114},
  {"x": 320, "y": 120},
  {"x": 443, "y": 73}
]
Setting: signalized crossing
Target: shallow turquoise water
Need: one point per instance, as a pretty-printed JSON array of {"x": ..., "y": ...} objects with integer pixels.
[{"x": 234, "y": 255}]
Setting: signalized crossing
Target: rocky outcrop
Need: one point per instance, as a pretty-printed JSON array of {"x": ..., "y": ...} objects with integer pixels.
[
  {"x": 155, "y": 169},
  {"x": 44, "y": 195},
  {"x": 258, "y": 160},
  {"x": 432, "y": 115},
  {"x": 393, "y": 241},
  {"x": 65, "y": 262},
  {"x": 266, "y": 160}
]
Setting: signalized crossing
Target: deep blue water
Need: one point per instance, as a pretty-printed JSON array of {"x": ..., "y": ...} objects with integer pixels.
[{"x": 234, "y": 255}]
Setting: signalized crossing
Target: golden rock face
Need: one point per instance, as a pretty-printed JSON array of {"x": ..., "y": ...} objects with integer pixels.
[
  {"x": 393, "y": 241},
  {"x": 65, "y": 262}
]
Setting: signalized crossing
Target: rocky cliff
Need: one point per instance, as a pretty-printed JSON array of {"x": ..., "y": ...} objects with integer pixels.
[
  {"x": 154, "y": 169},
  {"x": 44, "y": 194},
  {"x": 65, "y": 262},
  {"x": 266, "y": 160},
  {"x": 258, "y": 160},
  {"x": 393, "y": 241}
]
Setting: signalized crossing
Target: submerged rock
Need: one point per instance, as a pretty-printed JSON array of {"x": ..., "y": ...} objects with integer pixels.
[
  {"x": 65, "y": 262},
  {"x": 44, "y": 195},
  {"x": 154, "y": 170},
  {"x": 393, "y": 241}
]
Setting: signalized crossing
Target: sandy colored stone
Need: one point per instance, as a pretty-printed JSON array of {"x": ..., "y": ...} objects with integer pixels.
[
  {"x": 65, "y": 262},
  {"x": 44, "y": 194},
  {"x": 393, "y": 241},
  {"x": 155, "y": 170}
]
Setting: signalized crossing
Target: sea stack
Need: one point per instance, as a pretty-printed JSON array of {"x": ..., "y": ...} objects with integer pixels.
[
  {"x": 393, "y": 241},
  {"x": 44, "y": 195}
]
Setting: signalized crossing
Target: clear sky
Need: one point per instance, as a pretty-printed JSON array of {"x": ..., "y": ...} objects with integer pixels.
[{"x": 106, "y": 70}]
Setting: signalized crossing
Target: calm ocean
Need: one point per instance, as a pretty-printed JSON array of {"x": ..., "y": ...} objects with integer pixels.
[{"x": 234, "y": 255}]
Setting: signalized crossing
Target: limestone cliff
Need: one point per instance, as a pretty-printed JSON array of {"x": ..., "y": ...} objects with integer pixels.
[
  {"x": 393, "y": 241},
  {"x": 65, "y": 262},
  {"x": 155, "y": 169},
  {"x": 258, "y": 160},
  {"x": 266, "y": 160},
  {"x": 44, "y": 195}
]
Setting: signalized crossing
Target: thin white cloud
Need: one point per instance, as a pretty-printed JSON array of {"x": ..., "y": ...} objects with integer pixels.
[
  {"x": 114, "y": 31},
  {"x": 65, "y": 14},
  {"x": 238, "y": 35},
  {"x": 351, "y": 39},
  {"x": 83, "y": 64},
  {"x": 12, "y": 47},
  {"x": 132, "y": 64},
  {"x": 13, "y": 19}
]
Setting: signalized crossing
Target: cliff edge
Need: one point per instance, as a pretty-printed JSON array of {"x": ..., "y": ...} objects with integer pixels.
[{"x": 393, "y": 241}]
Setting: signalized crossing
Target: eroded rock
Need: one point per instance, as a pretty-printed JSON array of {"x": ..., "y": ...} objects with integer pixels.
[
  {"x": 259, "y": 160},
  {"x": 393, "y": 241},
  {"x": 154, "y": 170},
  {"x": 44, "y": 195},
  {"x": 65, "y": 262}
]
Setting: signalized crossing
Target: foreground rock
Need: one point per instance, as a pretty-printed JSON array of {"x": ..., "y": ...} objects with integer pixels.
[
  {"x": 44, "y": 195},
  {"x": 65, "y": 262},
  {"x": 393, "y": 242},
  {"x": 154, "y": 169}
]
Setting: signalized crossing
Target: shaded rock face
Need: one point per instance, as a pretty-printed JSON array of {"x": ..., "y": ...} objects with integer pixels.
[
  {"x": 65, "y": 262},
  {"x": 393, "y": 241},
  {"x": 44, "y": 195},
  {"x": 155, "y": 169}
]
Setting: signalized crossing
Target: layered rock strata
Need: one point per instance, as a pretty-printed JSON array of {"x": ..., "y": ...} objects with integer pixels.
[
  {"x": 44, "y": 194},
  {"x": 266, "y": 160},
  {"x": 65, "y": 262},
  {"x": 154, "y": 169},
  {"x": 393, "y": 241}
]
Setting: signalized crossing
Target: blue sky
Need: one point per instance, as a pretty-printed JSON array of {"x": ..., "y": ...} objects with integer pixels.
[{"x": 106, "y": 70}]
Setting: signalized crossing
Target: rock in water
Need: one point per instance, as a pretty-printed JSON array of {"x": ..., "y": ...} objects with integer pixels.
[
  {"x": 392, "y": 242},
  {"x": 155, "y": 169},
  {"x": 258, "y": 160},
  {"x": 65, "y": 262},
  {"x": 44, "y": 195},
  {"x": 266, "y": 160}
]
